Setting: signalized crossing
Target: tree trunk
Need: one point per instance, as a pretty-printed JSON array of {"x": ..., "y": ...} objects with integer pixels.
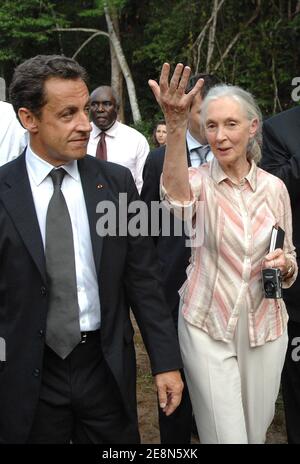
[
  {"x": 200, "y": 39},
  {"x": 2, "y": 89},
  {"x": 124, "y": 66},
  {"x": 237, "y": 36},
  {"x": 116, "y": 71},
  {"x": 212, "y": 35},
  {"x": 120, "y": 57}
]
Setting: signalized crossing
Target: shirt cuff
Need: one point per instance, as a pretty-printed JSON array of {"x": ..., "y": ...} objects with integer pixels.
[{"x": 182, "y": 209}]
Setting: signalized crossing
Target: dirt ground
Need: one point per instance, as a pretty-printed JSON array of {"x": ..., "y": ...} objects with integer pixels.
[{"x": 147, "y": 406}]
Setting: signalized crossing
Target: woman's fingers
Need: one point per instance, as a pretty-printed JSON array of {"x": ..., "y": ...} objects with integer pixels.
[
  {"x": 275, "y": 259},
  {"x": 155, "y": 89},
  {"x": 176, "y": 78},
  {"x": 170, "y": 93},
  {"x": 164, "y": 77}
]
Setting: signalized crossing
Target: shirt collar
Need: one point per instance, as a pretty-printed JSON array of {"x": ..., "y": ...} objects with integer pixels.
[
  {"x": 192, "y": 142},
  {"x": 112, "y": 131},
  {"x": 219, "y": 175},
  {"x": 39, "y": 169}
]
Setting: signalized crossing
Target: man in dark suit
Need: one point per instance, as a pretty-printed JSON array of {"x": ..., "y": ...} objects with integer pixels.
[
  {"x": 173, "y": 251},
  {"x": 281, "y": 157},
  {"x": 65, "y": 285}
]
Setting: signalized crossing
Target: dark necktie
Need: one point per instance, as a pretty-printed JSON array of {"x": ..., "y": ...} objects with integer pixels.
[
  {"x": 63, "y": 329},
  {"x": 202, "y": 152},
  {"x": 101, "y": 152}
]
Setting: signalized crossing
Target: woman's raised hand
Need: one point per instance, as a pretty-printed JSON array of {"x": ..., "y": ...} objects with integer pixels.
[{"x": 171, "y": 97}]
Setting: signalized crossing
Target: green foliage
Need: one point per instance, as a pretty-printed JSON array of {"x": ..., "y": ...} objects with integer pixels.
[
  {"x": 97, "y": 8},
  {"x": 26, "y": 30},
  {"x": 166, "y": 33},
  {"x": 265, "y": 56}
]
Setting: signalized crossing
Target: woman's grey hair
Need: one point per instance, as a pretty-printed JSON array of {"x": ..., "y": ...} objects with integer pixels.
[{"x": 248, "y": 105}]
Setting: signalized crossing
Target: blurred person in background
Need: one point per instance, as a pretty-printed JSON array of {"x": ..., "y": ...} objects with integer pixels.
[
  {"x": 281, "y": 157},
  {"x": 13, "y": 137},
  {"x": 159, "y": 135},
  {"x": 112, "y": 140}
]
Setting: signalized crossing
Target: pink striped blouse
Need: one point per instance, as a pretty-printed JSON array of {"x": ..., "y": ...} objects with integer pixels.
[{"x": 234, "y": 224}]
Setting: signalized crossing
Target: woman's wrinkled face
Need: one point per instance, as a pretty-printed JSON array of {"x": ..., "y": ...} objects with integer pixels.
[{"x": 228, "y": 130}]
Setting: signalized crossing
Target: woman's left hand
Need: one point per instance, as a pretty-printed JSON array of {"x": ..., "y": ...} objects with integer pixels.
[{"x": 277, "y": 260}]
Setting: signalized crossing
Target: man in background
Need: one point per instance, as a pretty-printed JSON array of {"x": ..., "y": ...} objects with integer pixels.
[
  {"x": 13, "y": 137},
  {"x": 113, "y": 141},
  {"x": 172, "y": 250},
  {"x": 281, "y": 157}
]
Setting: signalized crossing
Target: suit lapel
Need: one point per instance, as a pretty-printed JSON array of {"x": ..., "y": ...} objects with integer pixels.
[
  {"x": 95, "y": 190},
  {"x": 18, "y": 201},
  {"x": 188, "y": 156}
]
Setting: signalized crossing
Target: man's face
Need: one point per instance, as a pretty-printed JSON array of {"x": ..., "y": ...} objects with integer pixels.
[
  {"x": 61, "y": 132},
  {"x": 103, "y": 108},
  {"x": 194, "y": 120}
]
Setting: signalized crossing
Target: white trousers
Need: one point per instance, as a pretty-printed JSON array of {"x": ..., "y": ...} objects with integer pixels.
[{"x": 233, "y": 387}]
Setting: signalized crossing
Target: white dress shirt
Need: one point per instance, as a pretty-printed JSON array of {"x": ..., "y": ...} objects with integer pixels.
[
  {"x": 125, "y": 146},
  {"x": 192, "y": 143},
  {"x": 13, "y": 137},
  {"x": 86, "y": 277}
]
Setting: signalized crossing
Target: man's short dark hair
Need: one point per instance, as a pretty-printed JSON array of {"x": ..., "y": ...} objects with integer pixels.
[
  {"x": 27, "y": 86},
  {"x": 210, "y": 80}
]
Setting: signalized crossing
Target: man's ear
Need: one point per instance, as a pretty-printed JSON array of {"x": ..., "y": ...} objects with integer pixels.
[{"x": 29, "y": 120}]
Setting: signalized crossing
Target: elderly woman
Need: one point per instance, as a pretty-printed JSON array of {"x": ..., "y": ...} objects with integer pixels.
[{"x": 233, "y": 340}]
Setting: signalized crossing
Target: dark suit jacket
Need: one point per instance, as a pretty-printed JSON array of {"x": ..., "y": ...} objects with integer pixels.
[
  {"x": 172, "y": 252},
  {"x": 281, "y": 157},
  {"x": 126, "y": 269}
]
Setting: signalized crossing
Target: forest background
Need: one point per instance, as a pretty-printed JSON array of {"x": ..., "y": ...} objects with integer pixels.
[
  {"x": 251, "y": 43},
  {"x": 123, "y": 43}
]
